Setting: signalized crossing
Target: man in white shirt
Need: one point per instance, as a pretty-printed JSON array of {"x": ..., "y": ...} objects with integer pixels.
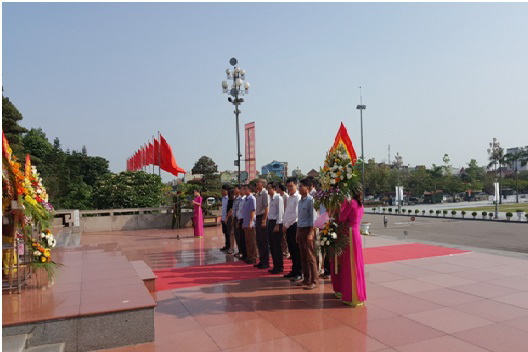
[
  {"x": 225, "y": 200},
  {"x": 290, "y": 228},
  {"x": 261, "y": 212},
  {"x": 282, "y": 192},
  {"x": 240, "y": 217},
  {"x": 275, "y": 234}
]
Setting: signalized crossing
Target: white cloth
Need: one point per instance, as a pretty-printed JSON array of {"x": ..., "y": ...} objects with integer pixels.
[
  {"x": 276, "y": 208},
  {"x": 290, "y": 214}
]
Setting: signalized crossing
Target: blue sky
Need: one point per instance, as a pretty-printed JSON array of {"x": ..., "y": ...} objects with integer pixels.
[{"x": 436, "y": 78}]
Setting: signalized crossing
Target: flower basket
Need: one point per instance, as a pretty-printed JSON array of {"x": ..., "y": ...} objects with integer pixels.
[
  {"x": 474, "y": 214},
  {"x": 520, "y": 213}
]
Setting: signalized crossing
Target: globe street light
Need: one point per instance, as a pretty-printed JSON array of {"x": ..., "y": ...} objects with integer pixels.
[{"x": 238, "y": 88}]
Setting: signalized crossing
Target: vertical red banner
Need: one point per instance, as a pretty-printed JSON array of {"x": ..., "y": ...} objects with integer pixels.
[{"x": 251, "y": 162}]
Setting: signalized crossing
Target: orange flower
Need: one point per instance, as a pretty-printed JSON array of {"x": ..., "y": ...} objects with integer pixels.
[{"x": 338, "y": 179}]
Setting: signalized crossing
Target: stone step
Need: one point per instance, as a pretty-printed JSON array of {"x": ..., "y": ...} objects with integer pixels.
[
  {"x": 146, "y": 274},
  {"x": 56, "y": 347},
  {"x": 15, "y": 343}
]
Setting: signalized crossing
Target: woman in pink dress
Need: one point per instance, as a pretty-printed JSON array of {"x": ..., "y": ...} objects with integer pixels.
[
  {"x": 198, "y": 215},
  {"x": 350, "y": 283}
]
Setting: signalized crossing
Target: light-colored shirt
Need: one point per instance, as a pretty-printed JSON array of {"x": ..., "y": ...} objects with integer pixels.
[
  {"x": 285, "y": 198},
  {"x": 290, "y": 214},
  {"x": 236, "y": 203},
  {"x": 249, "y": 206},
  {"x": 312, "y": 193},
  {"x": 276, "y": 209},
  {"x": 262, "y": 202},
  {"x": 240, "y": 212},
  {"x": 224, "y": 207},
  {"x": 306, "y": 212}
]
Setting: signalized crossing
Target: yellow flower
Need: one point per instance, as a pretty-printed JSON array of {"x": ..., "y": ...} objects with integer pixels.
[
  {"x": 325, "y": 231},
  {"x": 47, "y": 253},
  {"x": 43, "y": 259}
]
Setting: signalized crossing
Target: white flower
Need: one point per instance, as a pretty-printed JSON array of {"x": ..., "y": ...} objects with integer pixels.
[
  {"x": 332, "y": 181},
  {"x": 37, "y": 253},
  {"x": 43, "y": 235},
  {"x": 327, "y": 243},
  {"x": 333, "y": 235},
  {"x": 333, "y": 174},
  {"x": 349, "y": 175}
]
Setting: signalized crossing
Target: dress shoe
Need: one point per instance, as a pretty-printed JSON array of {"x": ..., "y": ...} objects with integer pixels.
[
  {"x": 296, "y": 278},
  {"x": 289, "y": 276},
  {"x": 310, "y": 287},
  {"x": 275, "y": 271},
  {"x": 223, "y": 249},
  {"x": 257, "y": 265},
  {"x": 264, "y": 266},
  {"x": 243, "y": 258},
  {"x": 247, "y": 261}
]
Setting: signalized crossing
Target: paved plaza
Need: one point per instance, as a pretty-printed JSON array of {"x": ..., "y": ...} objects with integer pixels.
[
  {"x": 481, "y": 234},
  {"x": 464, "y": 302}
]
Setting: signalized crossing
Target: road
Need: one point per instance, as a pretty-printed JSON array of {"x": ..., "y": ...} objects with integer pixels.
[{"x": 470, "y": 233}]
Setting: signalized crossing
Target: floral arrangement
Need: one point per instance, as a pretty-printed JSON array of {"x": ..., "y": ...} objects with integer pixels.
[
  {"x": 41, "y": 252},
  {"x": 332, "y": 238},
  {"x": 338, "y": 179}
]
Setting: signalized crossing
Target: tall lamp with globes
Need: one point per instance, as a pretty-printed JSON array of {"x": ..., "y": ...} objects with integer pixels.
[{"x": 238, "y": 88}]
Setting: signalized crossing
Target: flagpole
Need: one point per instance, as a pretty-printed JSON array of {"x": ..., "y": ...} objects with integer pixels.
[
  {"x": 153, "y": 154},
  {"x": 159, "y": 154}
]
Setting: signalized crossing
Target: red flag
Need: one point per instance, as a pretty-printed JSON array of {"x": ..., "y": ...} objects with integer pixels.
[
  {"x": 150, "y": 153},
  {"x": 156, "y": 152},
  {"x": 343, "y": 139},
  {"x": 168, "y": 163}
]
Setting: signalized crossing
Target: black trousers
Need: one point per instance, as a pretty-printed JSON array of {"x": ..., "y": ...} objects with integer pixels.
[
  {"x": 293, "y": 247},
  {"x": 326, "y": 265},
  {"x": 262, "y": 241},
  {"x": 275, "y": 241},
  {"x": 226, "y": 234},
  {"x": 242, "y": 244}
]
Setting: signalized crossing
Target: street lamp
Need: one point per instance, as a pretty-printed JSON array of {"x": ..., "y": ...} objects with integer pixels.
[
  {"x": 362, "y": 107},
  {"x": 238, "y": 88}
]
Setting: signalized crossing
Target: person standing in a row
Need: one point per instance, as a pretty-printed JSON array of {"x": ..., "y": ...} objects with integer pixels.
[
  {"x": 305, "y": 236},
  {"x": 249, "y": 225},
  {"x": 275, "y": 234},
  {"x": 290, "y": 228},
  {"x": 262, "y": 201}
]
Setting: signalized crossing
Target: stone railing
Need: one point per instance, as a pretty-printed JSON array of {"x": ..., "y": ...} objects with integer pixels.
[{"x": 107, "y": 220}]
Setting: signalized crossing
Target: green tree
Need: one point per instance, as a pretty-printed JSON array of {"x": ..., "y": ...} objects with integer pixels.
[
  {"x": 127, "y": 189},
  {"x": 37, "y": 145},
  {"x": 205, "y": 166},
  {"x": 79, "y": 196},
  {"x": 513, "y": 160},
  {"x": 11, "y": 128}
]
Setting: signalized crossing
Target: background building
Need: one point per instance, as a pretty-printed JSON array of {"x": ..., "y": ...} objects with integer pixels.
[
  {"x": 297, "y": 173},
  {"x": 279, "y": 168},
  {"x": 231, "y": 177}
]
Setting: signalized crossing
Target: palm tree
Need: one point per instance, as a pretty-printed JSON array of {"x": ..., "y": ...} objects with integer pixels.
[
  {"x": 513, "y": 160},
  {"x": 496, "y": 158}
]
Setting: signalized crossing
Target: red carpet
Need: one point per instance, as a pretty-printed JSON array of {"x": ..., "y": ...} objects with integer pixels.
[{"x": 215, "y": 273}]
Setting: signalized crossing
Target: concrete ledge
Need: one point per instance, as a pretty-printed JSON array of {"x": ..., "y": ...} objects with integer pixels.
[
  {"x": 145, "y": 274},
  {"x": 90, "y": 333}
]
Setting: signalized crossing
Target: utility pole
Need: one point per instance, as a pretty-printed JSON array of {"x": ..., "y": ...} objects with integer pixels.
[{"x": 362, "y": 107}]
